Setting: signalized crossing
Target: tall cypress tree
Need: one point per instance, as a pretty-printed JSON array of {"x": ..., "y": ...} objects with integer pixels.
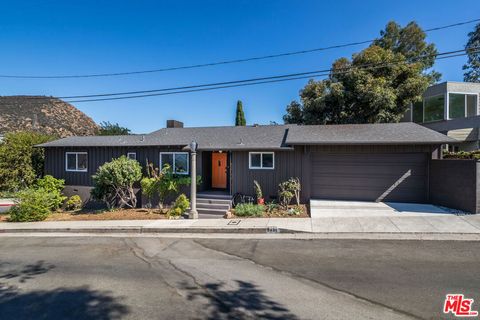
[{"x": 240, "y": 117}]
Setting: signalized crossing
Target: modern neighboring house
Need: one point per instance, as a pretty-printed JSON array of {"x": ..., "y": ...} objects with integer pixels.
[
  {"x": 372, "y": 162},
  {"x": 452, "y": 108}
]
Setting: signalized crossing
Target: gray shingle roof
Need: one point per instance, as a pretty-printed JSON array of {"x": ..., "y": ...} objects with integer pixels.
[
  {"x": 266, "y": 137},
  {"x": 381, "y": 133},
  {"x": 208, "y": 138},
  {"x": 232, "y": 138},
  {"x": 103, "y": 141}
]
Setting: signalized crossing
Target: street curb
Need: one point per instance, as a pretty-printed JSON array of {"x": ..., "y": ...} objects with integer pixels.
[{"x": 142, "y": 230}]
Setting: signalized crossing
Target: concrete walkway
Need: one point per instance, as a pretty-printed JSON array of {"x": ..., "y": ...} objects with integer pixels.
[{"x": 440, "y": 224}]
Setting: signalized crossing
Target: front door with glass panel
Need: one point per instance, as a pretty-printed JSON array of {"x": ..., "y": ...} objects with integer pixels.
[{"x": 219, "y": 170}]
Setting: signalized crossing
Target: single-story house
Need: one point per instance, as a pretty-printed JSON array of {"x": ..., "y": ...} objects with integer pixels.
[{"x": 371, "y": 162}]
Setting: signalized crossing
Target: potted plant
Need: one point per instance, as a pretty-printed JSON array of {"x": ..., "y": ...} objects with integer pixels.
[{"x": 258, "y": 192}]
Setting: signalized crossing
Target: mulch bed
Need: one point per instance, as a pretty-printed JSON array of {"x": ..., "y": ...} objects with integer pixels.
[{"x": 121, "y": 214}]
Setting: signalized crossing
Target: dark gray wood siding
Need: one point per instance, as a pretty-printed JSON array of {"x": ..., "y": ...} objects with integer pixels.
[
  {"x": 449, "y": 190},
  {"x": 287, "y": 164},
  {"x": 55, "y": 161}
]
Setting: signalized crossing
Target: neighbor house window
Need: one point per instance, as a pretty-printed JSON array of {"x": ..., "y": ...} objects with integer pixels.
[
  {"x": 472, "y": 105},
  {"x": 76, "y": 161},
  {"x": 261, "y": 160},
  {"x": 417, "y": 112},
  {"x": 456, "y": 105},
  {"x": 434, "y": 108},
  {"x": 178, "y": 161},
  {"x": 132, "y": 155},
  {"x": 461, "y": 105}
]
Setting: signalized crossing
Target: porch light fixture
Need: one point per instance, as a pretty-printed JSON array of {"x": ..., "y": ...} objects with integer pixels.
[{"x": 193, "y": 146}]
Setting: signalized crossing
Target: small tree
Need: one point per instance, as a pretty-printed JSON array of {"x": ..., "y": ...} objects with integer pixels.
[
  {"x": 20, "y": 161},
  {"x": 240, "y": 116},
  {"x": 113, "y": 183},
  {"x": 112, "y": 129},
  {"x": 288, "y": 190}
]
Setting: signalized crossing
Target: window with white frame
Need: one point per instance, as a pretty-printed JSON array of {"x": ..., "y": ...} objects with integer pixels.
[
  {"x": 76, "y": 161},
  {"x": 132, "y": 155},
  {"x": 178, "y": 161},
  {"x": 261, "y": 160}
]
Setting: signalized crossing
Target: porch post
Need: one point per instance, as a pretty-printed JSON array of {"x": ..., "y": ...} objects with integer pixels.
[{"x": 193, "y": 214}]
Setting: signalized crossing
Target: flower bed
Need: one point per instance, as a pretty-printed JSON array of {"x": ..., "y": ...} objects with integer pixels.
[{"x": 268, "y": 211}]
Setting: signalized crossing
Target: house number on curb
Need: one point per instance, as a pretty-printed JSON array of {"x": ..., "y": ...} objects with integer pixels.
[
  {"x": 234, "y": 222},
  {"x": 273, "y": 229}
]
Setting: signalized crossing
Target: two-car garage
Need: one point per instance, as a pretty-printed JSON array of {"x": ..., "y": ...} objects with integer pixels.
[
  {"x": 397, "y": 177},
  {"x": 368, "y": 162}
]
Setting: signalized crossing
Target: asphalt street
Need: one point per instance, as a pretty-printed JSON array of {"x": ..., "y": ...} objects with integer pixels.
[{"x": 160, "y": 278}]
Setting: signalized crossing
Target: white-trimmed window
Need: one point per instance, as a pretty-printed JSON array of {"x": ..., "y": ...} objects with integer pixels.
[
  {"x": 261, "y": 160},
  {"x": 132, "y": 155},
  {"x": 76, "y": 161},
  {"x": 179, "y": 161}
]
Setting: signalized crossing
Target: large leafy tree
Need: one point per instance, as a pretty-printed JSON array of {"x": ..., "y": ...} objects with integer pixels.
[
  {"x": 240, "y": 116},
  {"x": 112, "y": 129},
  {"x": 20, "y": 161},
  {"x": 376, "y": 85},
  {"x": 472, "y": 73}
]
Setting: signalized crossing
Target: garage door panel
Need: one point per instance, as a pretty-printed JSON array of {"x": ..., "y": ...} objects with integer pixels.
[
  {"x": 397, "y": 177},
  {"x": 371, "y": 170},
  {"x": 370, "y": 182},
  {"x": 367, "y": 195}
]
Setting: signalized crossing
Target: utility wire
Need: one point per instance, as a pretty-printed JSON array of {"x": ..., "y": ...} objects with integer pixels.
[
  {"x": 242, "y": 83},
  {"x": 411, "y": 60},
  {"x": 224, "y": 62}
]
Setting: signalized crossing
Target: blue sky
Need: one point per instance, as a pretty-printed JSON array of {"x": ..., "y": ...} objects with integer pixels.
[{"x": 78, "y": 37}]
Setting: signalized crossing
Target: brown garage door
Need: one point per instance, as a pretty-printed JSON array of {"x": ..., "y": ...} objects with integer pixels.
[{"x": 371, "y": 177}]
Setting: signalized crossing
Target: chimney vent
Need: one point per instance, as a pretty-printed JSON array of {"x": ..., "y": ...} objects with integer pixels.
[{"x": 174, "y": 124}]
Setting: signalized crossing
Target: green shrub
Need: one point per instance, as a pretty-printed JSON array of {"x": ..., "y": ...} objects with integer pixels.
[
  {"x": 462, "y": 155},
  {"x": 288, "y": 190},
  {"x": 271, "y": 206},
  {"x": 20, "y": 161},
  {"x": 54, "y": 187},
  {"x": 74, "y": 203},
  {"x": 164, "y": 183},
  {"x": 113, "y": 183},
  {"x": 32, "y": 205},
  {"x": 249, "y": 210},
  {"x": 180, "y": 206}
]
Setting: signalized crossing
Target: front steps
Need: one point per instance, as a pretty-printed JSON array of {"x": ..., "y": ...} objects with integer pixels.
[{"x": 213, "y": 206}]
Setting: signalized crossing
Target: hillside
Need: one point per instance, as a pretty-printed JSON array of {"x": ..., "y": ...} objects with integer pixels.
[{"x": 43, "y": 114}]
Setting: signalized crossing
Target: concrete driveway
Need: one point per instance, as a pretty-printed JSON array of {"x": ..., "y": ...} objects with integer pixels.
[{"x": 333, "y": 209}]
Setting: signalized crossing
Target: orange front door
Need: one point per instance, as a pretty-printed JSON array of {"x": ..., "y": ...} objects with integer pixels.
[{"x": 219, "y": 170}]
